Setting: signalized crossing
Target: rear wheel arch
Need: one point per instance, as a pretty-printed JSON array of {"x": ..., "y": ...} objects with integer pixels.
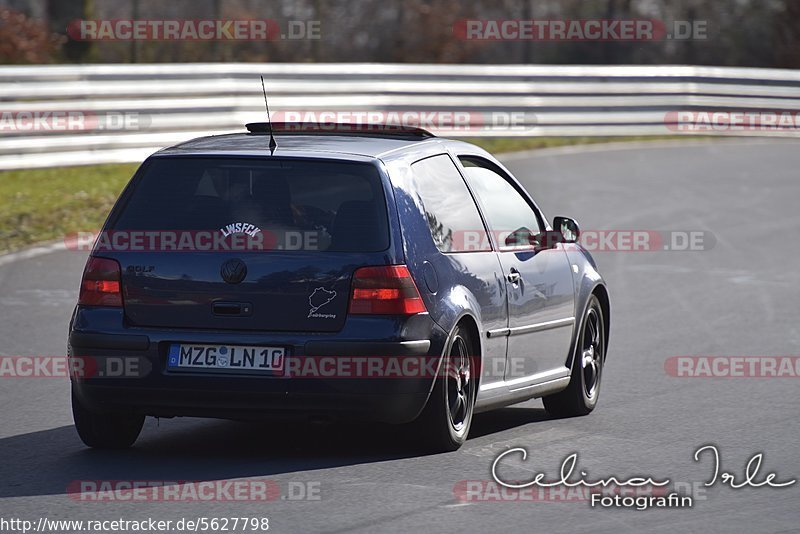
[
  {"x": 468, "y": 322},
  {"x": 459, "y": 306}
]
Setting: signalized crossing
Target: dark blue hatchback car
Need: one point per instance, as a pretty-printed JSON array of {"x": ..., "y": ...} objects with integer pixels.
[{"x": 377, "y": 274}]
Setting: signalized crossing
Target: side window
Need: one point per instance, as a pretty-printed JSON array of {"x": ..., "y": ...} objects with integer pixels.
[
  {"x": 509, "y": 215},
  {"x": 453, "y": 218}
]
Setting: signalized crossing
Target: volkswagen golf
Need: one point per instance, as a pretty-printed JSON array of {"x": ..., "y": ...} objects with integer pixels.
[{"x": 379, "y": 274}]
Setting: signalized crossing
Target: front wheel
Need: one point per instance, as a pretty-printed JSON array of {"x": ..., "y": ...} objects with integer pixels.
[
  {"x": 105, "y": 431},
  {"x": 580, "y": 397},
  {"x": 444, "y": 423}
]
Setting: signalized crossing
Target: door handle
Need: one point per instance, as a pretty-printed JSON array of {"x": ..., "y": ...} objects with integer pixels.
[
  {"x": 233, "y": 309},
  {"x": 514, "y": 276}
]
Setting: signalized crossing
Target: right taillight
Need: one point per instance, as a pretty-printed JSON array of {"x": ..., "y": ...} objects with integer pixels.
[
  {"x": 100, "y": 285},
  {"x": 385, "y": 290}
]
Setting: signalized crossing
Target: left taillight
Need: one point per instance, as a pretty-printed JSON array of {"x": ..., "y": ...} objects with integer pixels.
[{"x": 100, "y": 285}]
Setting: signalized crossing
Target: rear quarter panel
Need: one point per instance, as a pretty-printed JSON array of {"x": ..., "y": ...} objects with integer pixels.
[{"x": 453, "y": 285}]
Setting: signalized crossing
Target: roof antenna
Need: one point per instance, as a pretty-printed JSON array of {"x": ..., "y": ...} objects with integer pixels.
[{"x": 272, "y": 144}]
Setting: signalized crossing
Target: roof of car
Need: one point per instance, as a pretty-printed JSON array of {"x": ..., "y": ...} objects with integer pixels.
[{"x": 311, "y": 144}]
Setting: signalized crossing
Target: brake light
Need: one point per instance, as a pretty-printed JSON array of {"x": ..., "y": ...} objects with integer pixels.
[
  {"x": 385, "y": 290},
  {"x": 100, "y": 285}
]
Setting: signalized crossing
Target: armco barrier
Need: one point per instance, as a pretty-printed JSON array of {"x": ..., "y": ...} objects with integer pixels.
[{"x": 122, "y": 113}]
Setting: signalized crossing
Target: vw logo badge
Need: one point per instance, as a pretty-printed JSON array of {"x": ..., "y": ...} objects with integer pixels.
[{"x": 233, "y": 271}]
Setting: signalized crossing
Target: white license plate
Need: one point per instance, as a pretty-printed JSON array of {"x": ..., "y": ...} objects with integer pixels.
[{"x": 227, "y": 357}]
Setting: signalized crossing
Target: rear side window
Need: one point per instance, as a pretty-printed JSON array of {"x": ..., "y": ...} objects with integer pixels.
[
  {"x": 298, "y": 204},
  {"x": 453, "y": 218}
]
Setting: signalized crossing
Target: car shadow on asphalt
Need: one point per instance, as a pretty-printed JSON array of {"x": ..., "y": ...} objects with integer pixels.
[
  {"x": 484, "y": 424},
  {"x": 50, "y": 462}
]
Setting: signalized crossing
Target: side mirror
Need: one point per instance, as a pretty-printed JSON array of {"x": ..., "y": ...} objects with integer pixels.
[{"x": 568, "y": 228}]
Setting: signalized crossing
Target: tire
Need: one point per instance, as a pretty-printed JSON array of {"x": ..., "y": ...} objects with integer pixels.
[
  {"x": 580, "y": 397},
  {"x": 105, "y": 431},
  {"x": 444, "y": 424}
]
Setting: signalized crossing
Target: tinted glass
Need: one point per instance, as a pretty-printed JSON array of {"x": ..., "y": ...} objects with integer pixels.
[
  {"x": 453, "y": 218},
  {"x": 507, "y": 211},
  {"x": 329, "y": 206}
]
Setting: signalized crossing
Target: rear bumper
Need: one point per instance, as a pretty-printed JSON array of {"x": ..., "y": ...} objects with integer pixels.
[
  {"x": 149, "y": 388},
  {"x": 388, "y": 407}
]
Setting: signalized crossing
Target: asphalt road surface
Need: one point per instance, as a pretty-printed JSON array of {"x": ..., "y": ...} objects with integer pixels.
[{"x": 739, "y": 298}]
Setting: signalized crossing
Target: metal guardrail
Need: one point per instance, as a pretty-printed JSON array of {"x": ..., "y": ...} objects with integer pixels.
[{"x": 176, "y": 102}]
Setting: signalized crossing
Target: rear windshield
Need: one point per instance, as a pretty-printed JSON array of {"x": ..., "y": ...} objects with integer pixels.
[{"x": 296, "y": 204}]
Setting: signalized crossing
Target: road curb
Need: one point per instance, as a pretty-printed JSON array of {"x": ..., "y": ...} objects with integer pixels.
[{"x": 40, "y": 249}]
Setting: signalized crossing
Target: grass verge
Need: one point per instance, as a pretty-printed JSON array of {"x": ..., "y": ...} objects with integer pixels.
[{"x": 44, "y": 204}]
